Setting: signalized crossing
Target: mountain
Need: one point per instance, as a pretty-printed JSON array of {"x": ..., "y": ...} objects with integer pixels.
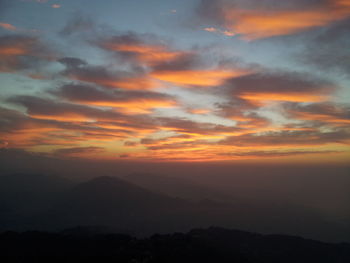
[
  {"x": 198, "y": 245},
  {"x": 112, "y": 203},
  {"x": 245, "y": 205},
  {"x": 128, "y": 208},
  {"x": 22, "y": 195},
  {"x": 177, "y": 187},
  {"x": 28, "y": 184},
  {"x": 109, "y": 201}
]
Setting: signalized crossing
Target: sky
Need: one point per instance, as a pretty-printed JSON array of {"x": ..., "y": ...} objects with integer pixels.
[{"x": 185, "y": 80}]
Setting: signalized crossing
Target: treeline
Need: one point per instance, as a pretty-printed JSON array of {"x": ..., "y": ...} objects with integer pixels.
[{"x": 198, "y": 245}]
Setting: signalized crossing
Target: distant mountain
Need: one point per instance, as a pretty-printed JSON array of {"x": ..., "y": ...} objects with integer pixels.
[
  {"x": 112, "y": 203},
  {"x": 22, "y": 195},
  {"x": 109, "y": 201},
  {"x": 177, "y": 187},
  {"x": 198, "y": 245},
  {"x": 32, "y": 184},
  {"x": 19, "y": 191},
  {"x": 233, "y": 209}
]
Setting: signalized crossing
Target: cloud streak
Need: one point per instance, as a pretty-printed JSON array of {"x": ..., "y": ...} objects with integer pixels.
[
  {"x": 254, "y": 19},
  {"x": 125, "y": 101}
]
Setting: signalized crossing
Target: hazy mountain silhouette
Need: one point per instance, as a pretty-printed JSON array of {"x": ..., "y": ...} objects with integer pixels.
[
  {"x": 177, "y": 187},
  {"x": 23, "y": 195},
  {"x": 241, "y": 203},
  {"x": 115, "y": 203},
  {"x": 125, "y": 207},
  {"x": 20, "y": 187}
]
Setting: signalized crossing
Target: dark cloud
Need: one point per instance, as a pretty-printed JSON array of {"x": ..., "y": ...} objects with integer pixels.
[
  {"x": 78, "y": 150},
  {"x": 93, "y": 74},
  {"x": 71, "y": 62},
  {"x": 54, "y": 129},
  {"x": 326, "y": 113},
  {"x": 251, "y": 121},
  {"x": 75, "y": 92},
  {"x": 131, "y": 39},
  {"x": 275, "y": 153},
  {"x": 130, "y": 44},
  {"x": 277, "y": 82},
  {"x": 77, "y": 24},
  {"x": 159, "y": 54},
  {"x": 13, "y": 122},
  {"x": 18, "y": 52},
  {"x": 46, "y": 108},
  {"x": 236, "y": 107},
  {"x": 154, "y": 58},
  {"x": 303, "y": 137},
  {"x": 148, "y": 141},
  {"x": 149, "y": 50},
  {"x": 184, "y": 61},
  {"x": 73, "y": 116},
  {"x": 188, "y": 126},
  {"x": 255, "y": 19},
  {"x": 100, "y": 75},
  {"x": 79, "y": 117},
  {"x": 83, "y": 93},
  {"x": 130, "y": 143},
  {"x": 9, "y": 119},
  {"x": 279, "y": 86},
  {"x": 332, "y": 52},
  {"x": 172, "y": 146},
  {"x": 241, "y": 111},
  {"x": 127, "y": 101},
  {"x": 217, "y": 5}
]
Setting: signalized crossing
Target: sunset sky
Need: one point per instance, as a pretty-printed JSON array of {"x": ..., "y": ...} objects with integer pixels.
[{"x": 184, "y": 80}]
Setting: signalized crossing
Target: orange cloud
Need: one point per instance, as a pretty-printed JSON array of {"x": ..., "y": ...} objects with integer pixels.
[
  {"x": 7, "y": 51},
  {"x": 285, "y": 96},
  {"x": 141, "y": 106},
  {"x": 216, "y": 30},
  {"x": 135, "y": 102},
  {"x": 149, "y": 54},
  {"x": 79, "y": 151},
  {"x": 121, "y": 80},
  {"x": 200, "y": 151},
  {"x": 8, "y": 26},
  {"x": 287, "y": 138},
  {"x": 192, "y": 142},
  {"x": 70, "y": 117},
  {"x": 197, "y": 77},
  {"x": 199, "y": 111},
  {"x": 260, "y": 88},
  {"x": 323, "y": 118},
  {"x": 137, "y": 83},
  {"x": 40, "y": 130},
  {"x": 255, "y": 19},
  {"x": 17, "y": 52},
  {"x": 165, "y": 64},
  {"x": 327, "y": 113}
]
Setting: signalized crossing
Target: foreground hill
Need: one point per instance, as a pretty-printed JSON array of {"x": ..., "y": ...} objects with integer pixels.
[{"x": 198, "y": 245}]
